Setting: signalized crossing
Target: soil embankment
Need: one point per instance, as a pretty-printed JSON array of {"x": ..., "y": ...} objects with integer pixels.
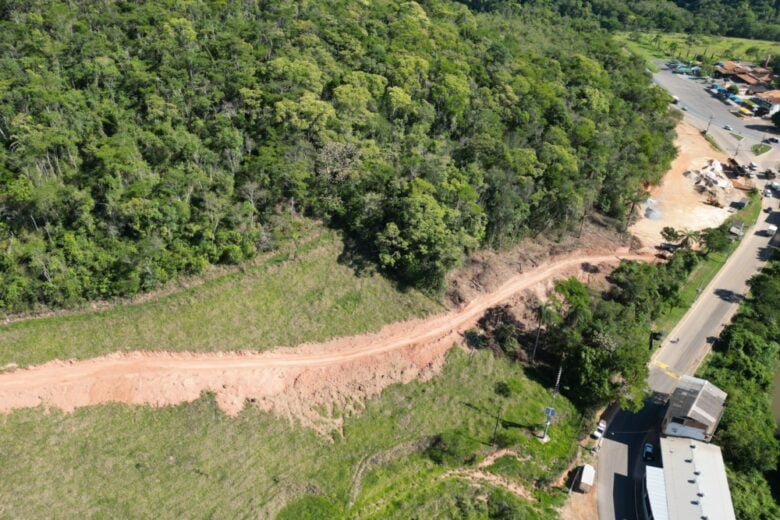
[{"x": 313, "y": 383}]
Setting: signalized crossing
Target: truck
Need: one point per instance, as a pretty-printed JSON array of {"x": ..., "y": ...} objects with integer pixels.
[{"x": 771, "y": 230}]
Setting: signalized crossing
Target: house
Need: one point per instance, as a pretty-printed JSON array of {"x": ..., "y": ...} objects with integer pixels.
[
  {"x": 695, "y": 409},
  {"x": 743, "y": 72},
  {"x": 769, "y": 101},
  {"x": 691, "y": 484}
]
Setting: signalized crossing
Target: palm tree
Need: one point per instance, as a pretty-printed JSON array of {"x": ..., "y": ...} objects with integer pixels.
[
  {"x": 547, "y": 316},
  {"x": 673, "y": 48},
  {"x": 657, "y": 40},
  {"x": 689, "y": 238}
]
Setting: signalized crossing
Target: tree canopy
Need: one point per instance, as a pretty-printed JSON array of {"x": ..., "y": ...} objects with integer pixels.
[{"x": 144, "y": 140}]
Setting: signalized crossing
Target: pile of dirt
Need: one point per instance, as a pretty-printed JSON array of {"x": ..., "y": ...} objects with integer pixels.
[{"x": 313, "y": 384}]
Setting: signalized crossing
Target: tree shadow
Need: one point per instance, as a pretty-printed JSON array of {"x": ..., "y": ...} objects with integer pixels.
[{"x": 728, "y": 295}]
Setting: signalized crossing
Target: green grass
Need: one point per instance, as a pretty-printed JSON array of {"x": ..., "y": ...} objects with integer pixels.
[
  {"x": 760, "y": 148},
  {"x": 717, "y": 48},
  {"x": 191, "y": 461},
  {"x": 712, "y": 142},
  {"x": 737, "y": 136},
  {"x": 706, "y": 269},
  {"x": 284, "y": 300}
]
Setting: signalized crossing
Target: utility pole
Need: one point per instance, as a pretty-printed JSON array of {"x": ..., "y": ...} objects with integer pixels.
[
  {"x": 549, "y": 412},
  {"x": 736, "y": 152},
  {"x": 708, "y": 125}
]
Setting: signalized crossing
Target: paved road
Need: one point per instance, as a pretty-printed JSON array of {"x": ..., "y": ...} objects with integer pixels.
[
  {"x": 620, "y": 461},
  {"x": 700, "y": 105}
]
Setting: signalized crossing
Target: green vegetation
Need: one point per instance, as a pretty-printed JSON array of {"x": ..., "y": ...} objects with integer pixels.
[
  {"x": 687, "y": 46},
  {"x": 281, "y": 300},
  {"x": 192, "y": 461},
  {"x": 600, "y": 341},
  {"x": 760, "y": 148},
  {"x": 743, "y": 363},
  {"x": 143, "y": 140},
  {"x": 752, "y": 19},
  {"x": 708, "y": 265},
  {"x": 712, "y": 142},
  {"x": 739, "y": 137}
]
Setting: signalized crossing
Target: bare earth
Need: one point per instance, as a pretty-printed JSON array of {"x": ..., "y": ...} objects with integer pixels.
[
  {"x": 313, "y": 383},
  {"x": 680, "y": 205}
]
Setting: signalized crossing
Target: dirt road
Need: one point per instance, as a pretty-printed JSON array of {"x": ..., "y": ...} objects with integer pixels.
[{"x": 311, "y": 383}]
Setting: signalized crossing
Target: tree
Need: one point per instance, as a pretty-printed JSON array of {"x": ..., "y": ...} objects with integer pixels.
[{"x": 670, "y": 234}]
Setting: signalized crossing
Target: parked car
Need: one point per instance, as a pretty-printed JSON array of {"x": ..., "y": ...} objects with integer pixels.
[
  {"x": 600, "y": 429},
  {"x": 648, "y": 453},
  {"x": 684, "y": 109},
  {"x": 727, "y": 127},
  {"x": 771, "y": 230},
  {"x": 772, "y": 140}
]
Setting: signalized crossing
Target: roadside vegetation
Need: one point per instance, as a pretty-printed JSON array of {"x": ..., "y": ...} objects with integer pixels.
[
  {"x": 298, "y": 294},
  {"x": 743, "y": 363},
  {"x": 651, "y": 46},
  {"x": 143, "y": 141},
  {"x": 716, "y": 248},
  {"x": 760, "y": 148},
  {"x": 406, "y": 452}
]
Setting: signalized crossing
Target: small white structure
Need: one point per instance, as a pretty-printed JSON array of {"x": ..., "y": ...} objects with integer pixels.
[{"x": 587, "y": 478}]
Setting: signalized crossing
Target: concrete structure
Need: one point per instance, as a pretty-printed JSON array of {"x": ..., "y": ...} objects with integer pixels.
[
  {"x": 691, "y": 485},
  {"x": 694, "y": 409},
  {"x": 587, "y": 478},
  {"x": 769, "y": 101}
]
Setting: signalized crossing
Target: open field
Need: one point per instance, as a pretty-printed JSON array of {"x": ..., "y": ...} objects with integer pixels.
[
  {"x": 716, "y": 48},
  {"x": 706, "y": 270},
  {"x": 112, "y": 460},
  {"x": 283, "y": 300}
]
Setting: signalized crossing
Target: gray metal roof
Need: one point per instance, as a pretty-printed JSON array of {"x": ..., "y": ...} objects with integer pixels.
[
  {"x": 695, "y": 480},
  {"x": 699, "y": 400}
]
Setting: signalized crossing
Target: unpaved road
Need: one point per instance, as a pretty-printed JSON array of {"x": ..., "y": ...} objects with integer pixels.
[{"x": 304, "y": 383}]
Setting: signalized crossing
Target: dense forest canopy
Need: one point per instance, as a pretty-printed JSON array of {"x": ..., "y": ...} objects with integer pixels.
[
  {"x": 756, "y": 19},
  {"x": 141, "y": 140}
]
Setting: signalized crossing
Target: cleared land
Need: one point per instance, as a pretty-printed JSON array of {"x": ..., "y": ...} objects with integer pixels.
[
  {"x": 191, "y": 460},
  {"x": 685, "y": 46},
  {"x": 282, "y": 300},
  {"x": 290, "y": 382}
]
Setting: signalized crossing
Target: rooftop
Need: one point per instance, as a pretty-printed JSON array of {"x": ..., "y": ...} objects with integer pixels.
[
  {"x": 695, "y": 481},
  {"x": 773, "y": 96},
  {"x": 699, "y": 400}
]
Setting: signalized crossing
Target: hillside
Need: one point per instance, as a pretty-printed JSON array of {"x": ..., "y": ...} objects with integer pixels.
[{"x": 142, "y": 141}]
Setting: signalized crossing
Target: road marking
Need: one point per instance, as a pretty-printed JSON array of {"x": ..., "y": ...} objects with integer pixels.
[{"x": 666, "y": 369}]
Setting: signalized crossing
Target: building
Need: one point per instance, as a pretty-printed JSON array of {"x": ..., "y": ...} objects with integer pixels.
[
  {"x": 768, "y": 101},
  {"x": 743, "y": 72},
  {"x": 692, "y": 483},
  {"x": 695, "y": 409}
]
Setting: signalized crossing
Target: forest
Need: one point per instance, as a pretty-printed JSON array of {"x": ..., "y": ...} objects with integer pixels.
[
  {"x": 755, "y": 19},
  {"x": 141, "y": 141}
]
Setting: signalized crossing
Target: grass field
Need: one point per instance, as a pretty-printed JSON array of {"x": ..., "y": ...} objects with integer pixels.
[
  {"x": 283, "y": 300},
  {"x": 191, "y": 461},
  {"x": 758, "y": 149},
  {"x": 706, "y": 270},
  {"x": 683, "y": 46}
]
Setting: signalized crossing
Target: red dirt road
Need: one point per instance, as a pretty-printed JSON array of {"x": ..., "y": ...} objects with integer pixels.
[{"x": 304, "y": 383}]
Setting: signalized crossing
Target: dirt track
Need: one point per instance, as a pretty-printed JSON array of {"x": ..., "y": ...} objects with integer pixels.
[{"x": 304, "y": 383}]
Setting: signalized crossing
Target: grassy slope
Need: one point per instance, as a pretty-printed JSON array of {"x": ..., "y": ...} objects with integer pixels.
[
  {"x": 720, "y": 47},
  {"x": 281, "y": 301},
  {"x": 192, "y": 461},
  {"x": 706, "y": 270}
]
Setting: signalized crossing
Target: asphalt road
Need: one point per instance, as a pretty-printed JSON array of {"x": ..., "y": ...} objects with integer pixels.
[
  {"x": 620, "y": 466},
  {"x": 700, "y": 106}
]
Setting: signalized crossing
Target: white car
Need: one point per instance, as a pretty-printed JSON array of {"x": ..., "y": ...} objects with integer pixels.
[
  {"x": 727, "y": 127},
  {"x": 600, "y": 429}
]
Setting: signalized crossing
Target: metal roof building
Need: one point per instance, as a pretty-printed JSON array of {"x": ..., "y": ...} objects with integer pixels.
[
  {"x": 695, "y": 409},
  {"x": 692, "y": 484}
]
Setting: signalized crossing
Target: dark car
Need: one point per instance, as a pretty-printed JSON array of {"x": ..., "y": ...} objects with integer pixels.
[
  {"x": 647, "y": 453},
  {"x": 772, "y": 140}
]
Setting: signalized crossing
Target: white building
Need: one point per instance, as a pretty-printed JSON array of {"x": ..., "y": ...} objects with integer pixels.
[{"x": 691, "y": 485}]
